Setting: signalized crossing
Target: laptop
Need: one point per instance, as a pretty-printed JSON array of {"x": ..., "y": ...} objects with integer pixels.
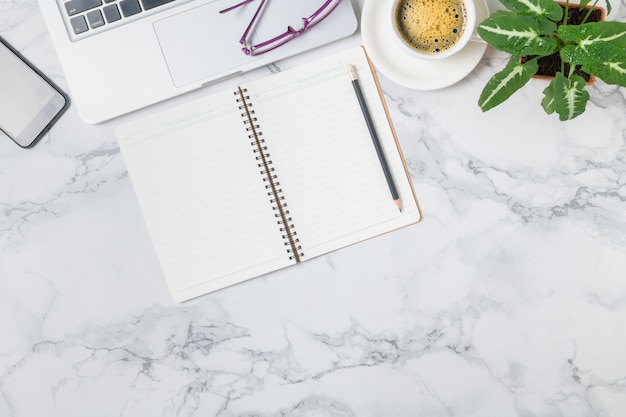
[{"x": 122, "y": 55}]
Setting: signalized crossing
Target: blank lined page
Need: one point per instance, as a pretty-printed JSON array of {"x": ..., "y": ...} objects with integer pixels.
[
  {"x": 324, "y": 156},
  {"x": 202, "y": 196}
]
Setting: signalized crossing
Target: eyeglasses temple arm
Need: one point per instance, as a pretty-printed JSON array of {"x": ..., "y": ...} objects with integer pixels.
[
  {"x": 256, "y": 14},
  {"x": 228, "y": 9}
]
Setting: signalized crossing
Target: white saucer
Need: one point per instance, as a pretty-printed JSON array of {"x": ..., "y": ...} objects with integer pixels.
[{"x": 407, "y": 70}]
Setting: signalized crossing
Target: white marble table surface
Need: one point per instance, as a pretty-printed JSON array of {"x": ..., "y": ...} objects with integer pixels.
[{"x": 509, "y": 299}]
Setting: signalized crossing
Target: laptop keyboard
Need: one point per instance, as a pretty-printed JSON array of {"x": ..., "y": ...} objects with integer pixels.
[{"x": 90, "y": 16}]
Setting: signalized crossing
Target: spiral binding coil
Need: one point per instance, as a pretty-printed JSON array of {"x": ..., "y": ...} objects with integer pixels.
[{"x": 272, "y": 185}]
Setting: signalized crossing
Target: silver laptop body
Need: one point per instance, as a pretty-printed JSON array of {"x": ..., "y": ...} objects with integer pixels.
[{"x": 117, "y": 65}]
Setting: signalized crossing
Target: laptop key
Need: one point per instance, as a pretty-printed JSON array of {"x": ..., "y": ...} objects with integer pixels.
[
  {"x": 149, "y": 4},
  {"x": 78, "y": 6},
  {"x": 79, "y": 24},
  {"x": 130, "y": 7},
  {"x": 111, "y": 13},
  {"x": 95, "y": 19}
]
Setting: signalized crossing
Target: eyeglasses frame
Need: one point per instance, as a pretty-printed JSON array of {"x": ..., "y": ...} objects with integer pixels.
[{"x": 266, "y": 46}]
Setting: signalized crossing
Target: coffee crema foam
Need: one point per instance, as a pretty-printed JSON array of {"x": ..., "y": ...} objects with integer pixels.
[{"x": 431, "y": 26}]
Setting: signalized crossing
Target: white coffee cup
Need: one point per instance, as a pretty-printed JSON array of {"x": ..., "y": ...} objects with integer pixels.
[{"x": 425, "y": 28}]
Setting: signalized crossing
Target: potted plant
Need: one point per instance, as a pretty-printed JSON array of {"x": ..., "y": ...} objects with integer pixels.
[{"x": 531, "y": 30}]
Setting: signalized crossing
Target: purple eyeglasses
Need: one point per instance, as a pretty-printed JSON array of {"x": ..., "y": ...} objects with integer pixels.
[{"x": 289, "y": 34}]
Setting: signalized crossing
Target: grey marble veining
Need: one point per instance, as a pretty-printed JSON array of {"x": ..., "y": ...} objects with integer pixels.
[{"x": 509, "y": 299}]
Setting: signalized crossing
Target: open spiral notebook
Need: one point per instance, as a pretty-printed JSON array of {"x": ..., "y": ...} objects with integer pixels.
[{"x": 265, "y": 175}]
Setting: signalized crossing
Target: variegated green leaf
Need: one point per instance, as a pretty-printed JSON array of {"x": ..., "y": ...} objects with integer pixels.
[
  {"x": 574, "y": 55},
  {"x": 506, "y": 82},
  {"x": 517, "y": 34},
  {"x": 546, "y": 8},
  {"x": 589, "y": 33},
  {"x": 548, "y": 98},
  {"x": 570, "y": 97},
  {"x": 604, "y": 60}
]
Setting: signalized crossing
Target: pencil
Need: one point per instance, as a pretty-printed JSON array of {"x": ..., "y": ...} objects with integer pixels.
[{"x": 374, "y": 136}]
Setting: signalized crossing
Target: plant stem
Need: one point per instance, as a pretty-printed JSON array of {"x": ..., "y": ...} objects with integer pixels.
[
  {"x": 572, "y": 67},
  {"x": 566, "y": 13},
  {"x": 589, "y": 11}
]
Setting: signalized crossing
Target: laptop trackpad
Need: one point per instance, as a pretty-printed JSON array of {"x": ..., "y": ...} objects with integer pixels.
[{"x": 201, "y": 43}]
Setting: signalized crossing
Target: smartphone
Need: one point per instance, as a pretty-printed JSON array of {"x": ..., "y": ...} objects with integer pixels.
[{"x": 29, "y": 102}]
